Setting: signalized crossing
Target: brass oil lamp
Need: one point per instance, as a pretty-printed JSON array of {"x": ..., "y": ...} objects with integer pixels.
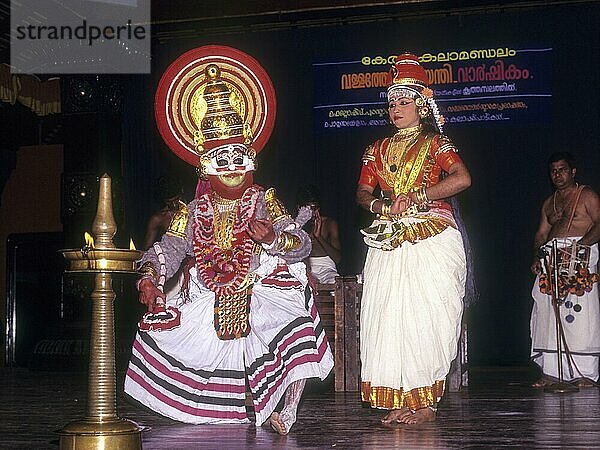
[{"x": 102, "y": 428}]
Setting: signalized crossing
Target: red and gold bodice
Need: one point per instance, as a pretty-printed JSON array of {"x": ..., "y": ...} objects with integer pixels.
[{"x": 407, "y": 161}]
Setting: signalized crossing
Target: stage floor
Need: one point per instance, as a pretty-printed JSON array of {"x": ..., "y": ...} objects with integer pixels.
[{"x": 498, "y": 410}]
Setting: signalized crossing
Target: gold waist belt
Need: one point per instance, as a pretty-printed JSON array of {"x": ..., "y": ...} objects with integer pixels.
[
  {"x": 415, "y": 210},
  {"x": 423, "y": 230},
  {"x": 391, "y": 235}
]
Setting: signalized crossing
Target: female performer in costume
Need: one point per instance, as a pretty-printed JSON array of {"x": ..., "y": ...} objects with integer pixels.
[{"x": 415, "y": 270}]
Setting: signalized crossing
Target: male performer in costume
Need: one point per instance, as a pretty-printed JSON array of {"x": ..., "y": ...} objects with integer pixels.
[
  {"x": 571, "y": 215},
  {"x": 415, "y": 270},
  {"x": 247, "y": 315}
]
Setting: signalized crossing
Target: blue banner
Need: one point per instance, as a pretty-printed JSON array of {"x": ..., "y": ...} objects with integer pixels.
[{"x": 474, "y": 87}]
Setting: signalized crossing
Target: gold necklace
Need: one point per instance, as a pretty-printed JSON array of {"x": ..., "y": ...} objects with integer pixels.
[
  {"x": 406, "y": 133},
  {"x": 224, "y": 212},
  {"x": 564, "y": 203},
  {"x": 223, "y": 201},
  {"x": 400, "y": 143}
]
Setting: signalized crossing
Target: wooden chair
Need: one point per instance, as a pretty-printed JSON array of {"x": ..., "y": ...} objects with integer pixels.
[{"x": 339, "y": 305}]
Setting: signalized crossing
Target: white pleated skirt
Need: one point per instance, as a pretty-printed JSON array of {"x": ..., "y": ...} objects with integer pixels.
[
  {"x": 190, "y": 375},
  {"x": 411, "y": 312}
]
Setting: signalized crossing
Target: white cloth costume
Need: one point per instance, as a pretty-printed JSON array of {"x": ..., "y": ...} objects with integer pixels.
[
  {"x": 323, "y": 269},
  {"x": 188, "y": 373},
  {"x": 582, "y": 334},
  {"x": 410, "y": 316}
]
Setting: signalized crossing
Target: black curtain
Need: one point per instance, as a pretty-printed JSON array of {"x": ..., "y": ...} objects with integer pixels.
[{"x": 507, "y": 162}]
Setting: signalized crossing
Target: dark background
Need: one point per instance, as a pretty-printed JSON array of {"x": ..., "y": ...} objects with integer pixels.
[{"x": 507, "y": 161}]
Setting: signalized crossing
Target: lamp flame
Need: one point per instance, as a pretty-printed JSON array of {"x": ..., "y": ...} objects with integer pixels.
[
  {"x": 131, "y": 244},
  {"x": 89, "y": 240}
]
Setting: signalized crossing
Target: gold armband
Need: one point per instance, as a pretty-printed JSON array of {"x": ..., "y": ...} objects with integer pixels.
[
  {"x": 179, "y": 222},
  {"x": 369, "y": 154},
  {"x": 147, "y": 269},
  {"x": 287, "y": 242},
  {"x": 275, "y": 207}
]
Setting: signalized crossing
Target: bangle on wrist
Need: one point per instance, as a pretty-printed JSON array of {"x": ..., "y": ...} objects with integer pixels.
[
  {"x": 371, "y": 205},
  {"x": 147, "y": 269},
  {"x": 287, "y": 242},
  {"x": 421, "y": 196}
]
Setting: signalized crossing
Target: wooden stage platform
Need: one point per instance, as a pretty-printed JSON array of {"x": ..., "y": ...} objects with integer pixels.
[{"x": 497, "y": 410}]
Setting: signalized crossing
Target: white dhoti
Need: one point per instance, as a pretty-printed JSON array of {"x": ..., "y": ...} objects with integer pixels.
[
  {"x": 410, "y": 320},
  {"x": 323, "y": 269},
  {"x": 580, "y": 318},
  {"x": 189, "y": 374}
]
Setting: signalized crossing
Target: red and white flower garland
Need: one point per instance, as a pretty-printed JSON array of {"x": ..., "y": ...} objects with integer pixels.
[{"x": 223, "y": 271}]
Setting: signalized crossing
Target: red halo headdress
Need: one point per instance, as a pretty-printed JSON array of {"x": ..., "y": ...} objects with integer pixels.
[{"x": 181, "y": 110}]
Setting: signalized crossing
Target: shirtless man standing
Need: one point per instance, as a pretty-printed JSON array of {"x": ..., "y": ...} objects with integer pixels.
[
  {"x": 570, "y": 215},
  {"x": 324, "y": 234}
]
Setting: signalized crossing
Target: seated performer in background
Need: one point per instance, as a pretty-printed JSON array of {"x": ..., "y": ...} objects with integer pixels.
[
  {"x": 169, "y": 193},
  {"x": 324, "y": 235},
  {"x": 415, "y": 270},
  {"x": 571, "y": 215},
  {"x": 247, "y": 314}
]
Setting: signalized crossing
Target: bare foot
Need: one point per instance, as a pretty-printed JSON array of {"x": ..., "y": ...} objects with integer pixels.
[
  {"x": 419, "y": 416},
  {"x": 395, "y": 415},
  {"x": 277, "y": 424},
  {"x": 249, "y": 401},
  {"x": 541, "y": 383}
]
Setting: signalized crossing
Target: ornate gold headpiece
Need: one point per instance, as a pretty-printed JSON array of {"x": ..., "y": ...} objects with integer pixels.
[{"x": 217, "y": 114}]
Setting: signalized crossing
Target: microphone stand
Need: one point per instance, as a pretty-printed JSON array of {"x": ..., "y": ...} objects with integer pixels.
[{"x": 560, "y": 386}]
